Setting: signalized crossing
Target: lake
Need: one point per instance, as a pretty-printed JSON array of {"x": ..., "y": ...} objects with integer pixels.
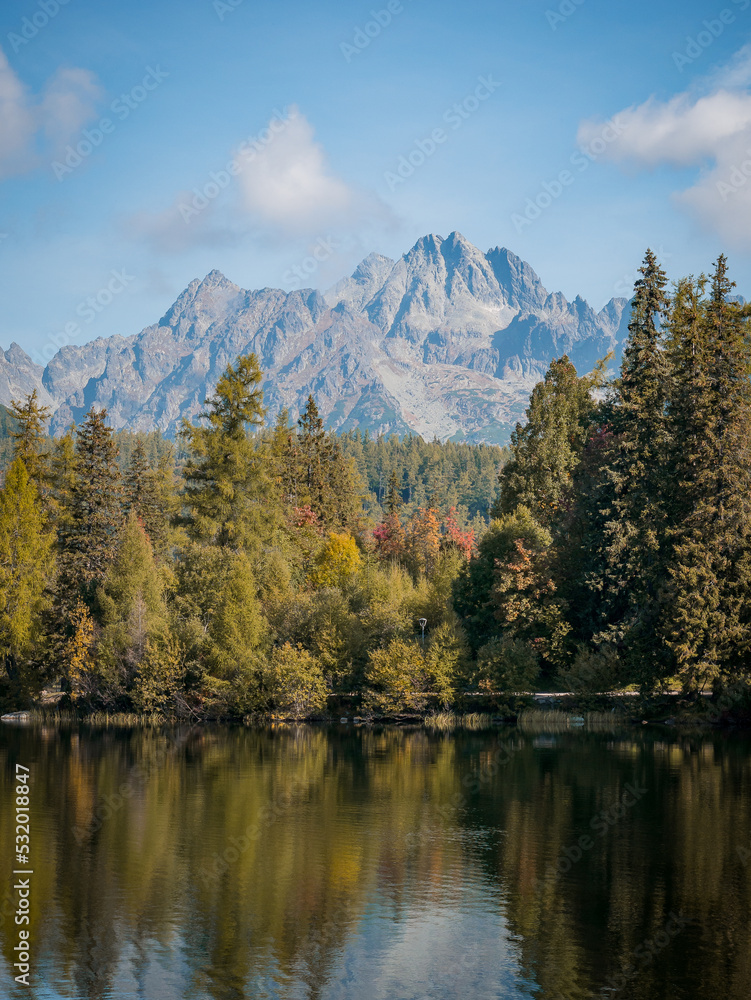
[{"x": 347, "y": 862}]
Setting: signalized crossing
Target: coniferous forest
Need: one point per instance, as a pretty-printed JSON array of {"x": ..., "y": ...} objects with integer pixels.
[{"x": 247, "y": 568}]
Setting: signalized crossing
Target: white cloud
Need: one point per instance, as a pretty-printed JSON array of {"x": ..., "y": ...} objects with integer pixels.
[
  {"x": 17, "y": 125},
  {"x": 69, "y": 102},
  {"x": 286, "y": 184},
  {"x": 32, "y": 125},
  {"x": 682, "y": 132},
  {"x": 276, "y": 187},
  {"x": 709, "y": 131}
]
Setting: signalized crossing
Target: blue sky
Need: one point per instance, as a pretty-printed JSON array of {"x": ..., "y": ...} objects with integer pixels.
[{"x": 123, "y": 173}]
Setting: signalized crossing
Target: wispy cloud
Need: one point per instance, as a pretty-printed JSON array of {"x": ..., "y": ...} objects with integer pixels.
[
  {"x": 289, "y": 187},
  {"x": 709, "y": 128},
  {"x": 277, "y": 188},
  {"x": 32, "y": 124}
]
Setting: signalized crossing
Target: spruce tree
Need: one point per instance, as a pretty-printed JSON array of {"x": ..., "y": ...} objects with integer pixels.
[
  {"x": 144, "y": 497},
  {"x": 228, "y": 473},
  {"x": 92, "y": 516},
  {"x": 707, "y": 621},
  {"x": 393, "y": 494},
  {"x": 634, "y": 540},
  {"x": 327, "y": 480},
  {"x": 30, "y": 437},
  {"x": 546, "y": 450}
]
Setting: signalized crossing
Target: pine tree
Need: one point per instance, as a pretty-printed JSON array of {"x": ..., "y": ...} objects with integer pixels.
[
  {"x": 228, "y": 473},
  {"x": 92, "y": 516},
  {"x": 30, "y": 437},
  {"x": 546, "y": 450},
  {"x": 144, "y": 497},
  {"x": 327, "y": 481},
  {"x": 26, "y": 565},
  {"x": 707, "y": 621},
  {"x": 393, "y": 494},
  {"x": 635, "y": 540}
]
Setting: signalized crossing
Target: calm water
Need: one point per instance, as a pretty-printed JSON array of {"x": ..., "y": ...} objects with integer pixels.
[{"x": 345, "y": 863}]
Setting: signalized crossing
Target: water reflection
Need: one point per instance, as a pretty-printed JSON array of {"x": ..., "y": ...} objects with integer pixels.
[{"x": 304, "y": 862}]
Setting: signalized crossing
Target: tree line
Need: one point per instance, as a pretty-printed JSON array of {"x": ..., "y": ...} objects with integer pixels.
[
  {"x": 621, "y": 550},
  {"x": 247, "y": 568},
  {"x": 240, "y": 570}
]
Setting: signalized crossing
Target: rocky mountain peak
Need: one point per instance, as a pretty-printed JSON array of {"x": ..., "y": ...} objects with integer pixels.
[{"x": 445, "y": 341}]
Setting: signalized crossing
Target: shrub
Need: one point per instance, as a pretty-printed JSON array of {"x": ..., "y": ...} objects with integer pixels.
[
  {"x": 396, "y": 678},
  {"x": 295, "y": 682},
  {"x": 507, "y": 665}
]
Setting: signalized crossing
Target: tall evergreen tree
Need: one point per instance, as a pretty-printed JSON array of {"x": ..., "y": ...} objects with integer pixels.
[
  {"x": 393, "y": 493},
  {"x": 707, "y": 621},
  {"x": 92, "y": 516},
  {"x": 144, "y": 496},
  {"x": 228, "y": 474},
  {"x": 546, "y": 450},
  {"x": 30, "y": 437},
  {"x": 327, "y": 480},
  {"x": 634, "y": 538}
]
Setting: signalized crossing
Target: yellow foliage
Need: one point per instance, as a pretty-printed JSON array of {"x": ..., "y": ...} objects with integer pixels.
[
  {"x": 78, "y": 650},
  {"x": 337, "y": 561}
]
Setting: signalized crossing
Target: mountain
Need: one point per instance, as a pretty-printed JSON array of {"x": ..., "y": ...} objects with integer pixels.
[{"x": 447, "y": 341}]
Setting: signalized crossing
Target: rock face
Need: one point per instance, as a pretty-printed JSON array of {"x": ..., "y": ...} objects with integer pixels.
[{"x": 447, "y": 342}]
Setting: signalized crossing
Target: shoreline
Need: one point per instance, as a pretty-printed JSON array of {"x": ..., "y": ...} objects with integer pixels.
[{"x": 572, "y": 718}]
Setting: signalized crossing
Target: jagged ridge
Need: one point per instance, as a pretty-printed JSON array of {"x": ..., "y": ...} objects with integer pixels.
[{"x": 447, "y": 341}]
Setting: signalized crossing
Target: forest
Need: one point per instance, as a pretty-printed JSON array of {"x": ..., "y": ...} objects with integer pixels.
[{"x": 253, "y": 570}]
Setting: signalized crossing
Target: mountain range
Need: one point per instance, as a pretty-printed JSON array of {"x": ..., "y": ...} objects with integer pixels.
[{"x": 445, "y": 342}]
